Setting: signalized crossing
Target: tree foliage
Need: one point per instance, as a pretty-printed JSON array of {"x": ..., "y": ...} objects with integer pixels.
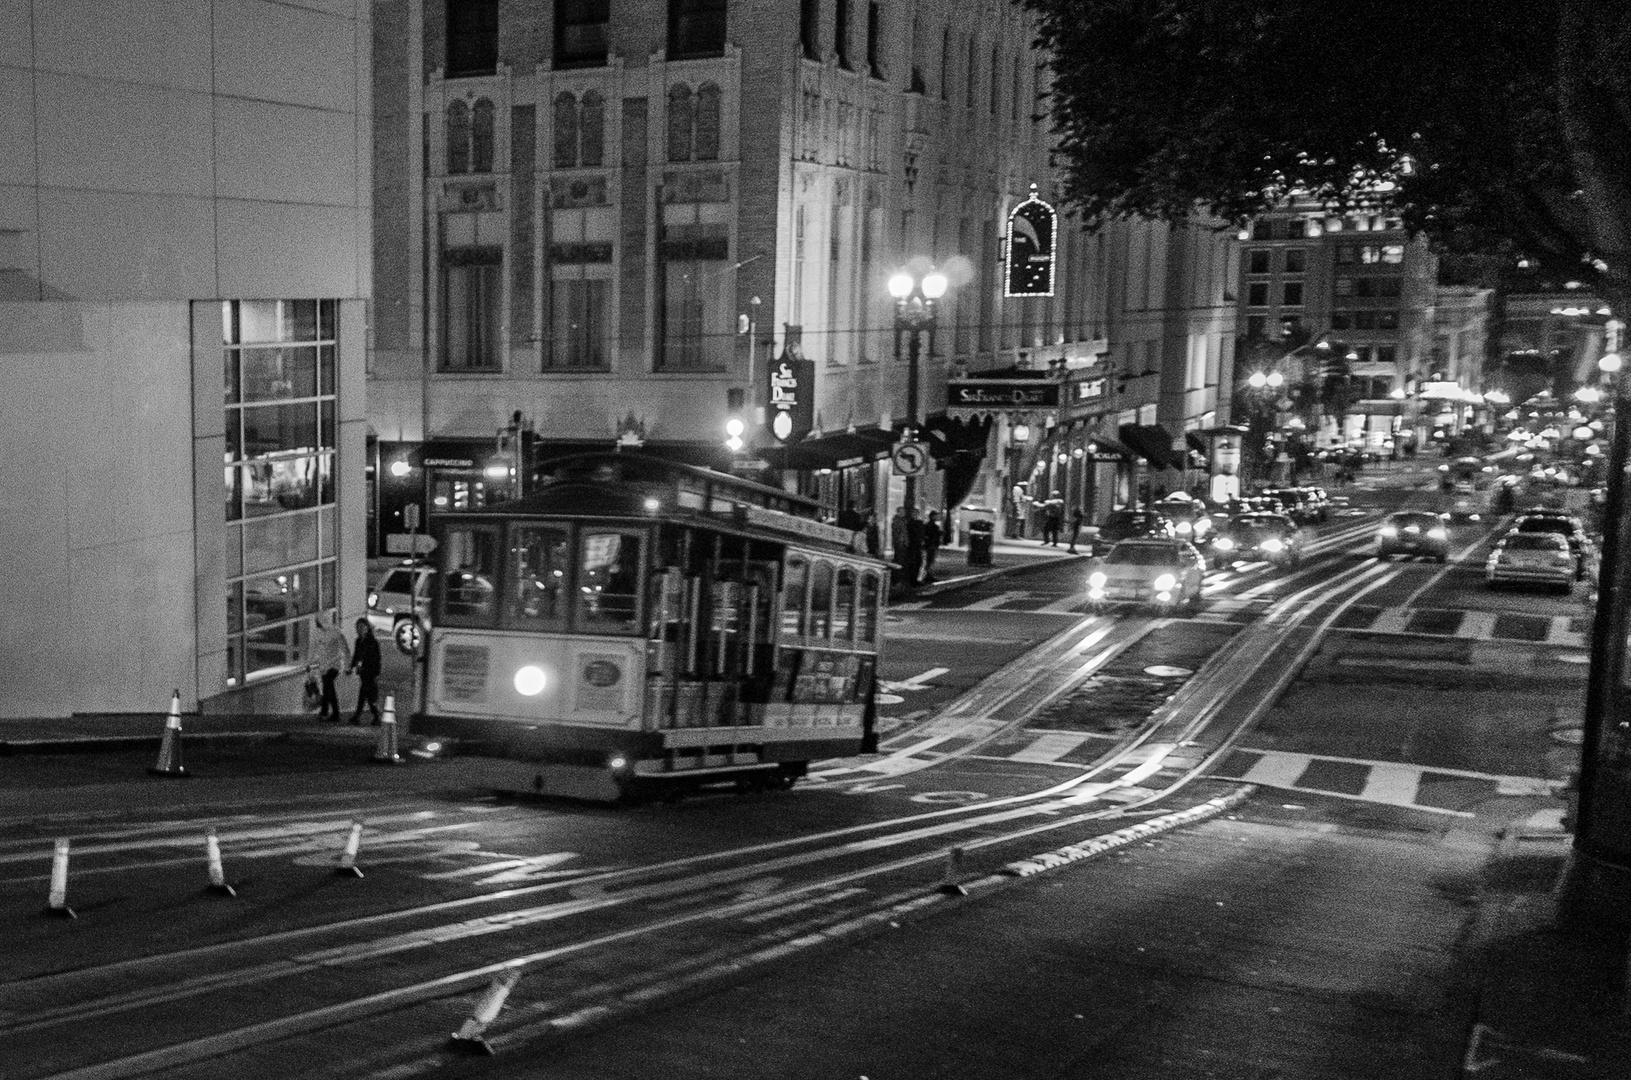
[{"x": 1496, "y": 126}]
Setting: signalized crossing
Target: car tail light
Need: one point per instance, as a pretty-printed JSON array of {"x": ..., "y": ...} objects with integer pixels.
[{"x": 373, "y": 600}]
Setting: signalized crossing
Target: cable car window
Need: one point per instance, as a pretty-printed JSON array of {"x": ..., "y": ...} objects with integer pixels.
[
  {"x": 468, "y": 581},
  {"x": 820, "y": 624},
  {"x": 866, "y": 615},
  {"x": 539, "y": 568},
  {"x": 608, "y": 582},
  {"x": 843, "y": 608},
  {"x": 794, "y": 579}
]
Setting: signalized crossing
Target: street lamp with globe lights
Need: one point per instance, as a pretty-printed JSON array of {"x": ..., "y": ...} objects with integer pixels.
[{"x": 915, "y": 311}]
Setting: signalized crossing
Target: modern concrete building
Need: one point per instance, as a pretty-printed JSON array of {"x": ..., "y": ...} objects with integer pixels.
[
  {"x": 1360, "y": 283},
  {"x": 184, "y": 267},
  {"x": 602, "y": 220}
]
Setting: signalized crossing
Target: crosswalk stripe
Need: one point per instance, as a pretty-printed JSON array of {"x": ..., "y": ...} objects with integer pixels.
[
  {"x": 1276, "y": 768},
  {"x": 991, "y": 602},
  {"x": 1391, "y": 621},
  {"x": 1562, "y": 633},
  {"x": 1477, "y": 624},
  {"x": 1050, "y": 747},
  {"x": 1389, "y": 783},
  {"x": 1067, "y": 605}
]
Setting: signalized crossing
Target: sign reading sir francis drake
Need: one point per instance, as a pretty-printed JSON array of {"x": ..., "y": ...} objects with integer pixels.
[
  {"x": 1031, "y": 228},
  {"x": 790, "y": 393}
]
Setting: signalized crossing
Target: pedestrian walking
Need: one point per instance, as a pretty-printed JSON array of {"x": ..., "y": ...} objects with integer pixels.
[
  {"x": 1076, "y": 517},
  {"x": 331, "y": 655},
  {"x": 897, "y": 533},
  {"x": 874, "y": 543},
  {"x": 1053, "y": 519},
  {"x": 365, "y": 661},
  {"x": 931, "y": 544},
  {"x": 910, "y": 556}
]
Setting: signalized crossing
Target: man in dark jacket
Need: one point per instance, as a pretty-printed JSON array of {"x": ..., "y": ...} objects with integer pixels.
[{"x": 365, "y": 661}]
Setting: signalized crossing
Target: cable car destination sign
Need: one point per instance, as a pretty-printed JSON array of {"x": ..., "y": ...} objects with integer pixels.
[{"x": 1031, "y": 229}]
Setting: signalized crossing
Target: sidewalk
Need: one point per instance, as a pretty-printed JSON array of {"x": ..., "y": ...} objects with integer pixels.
[{"x": 1009, "y": 556}]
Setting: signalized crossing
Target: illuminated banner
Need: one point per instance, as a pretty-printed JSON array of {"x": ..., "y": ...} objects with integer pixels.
[
  {"x": 1031, "y": 227},
  {"x": 790, "y": 399}
]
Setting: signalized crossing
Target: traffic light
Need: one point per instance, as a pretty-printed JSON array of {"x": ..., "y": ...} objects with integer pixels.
[{"x": 735, "y": 427}]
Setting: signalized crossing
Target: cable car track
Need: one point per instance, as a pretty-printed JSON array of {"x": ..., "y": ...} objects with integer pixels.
[{"x": 1004, "y": 821}]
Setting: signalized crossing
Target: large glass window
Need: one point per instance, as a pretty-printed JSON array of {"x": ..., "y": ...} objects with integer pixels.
[
  {"x": 582, "y": 323},
  {"x": 608, "y": 582},
  {"x": 472, "y": 301},
  {"x": 696, "y": 28},
  {"x": 794, "y": 579},
  {"x": 472, "y": 37},
  {"x": 539, "y": 571},
  {"x": 468, "y": 584},
  {"x": 279, "y": 473},
  {"x": 581, "y": 32}
]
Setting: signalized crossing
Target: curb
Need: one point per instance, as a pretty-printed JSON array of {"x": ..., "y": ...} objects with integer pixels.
[{"x": 96, "y": 744}]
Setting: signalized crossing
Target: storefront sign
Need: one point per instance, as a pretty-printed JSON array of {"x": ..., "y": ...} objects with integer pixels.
[
  {"x": 1002, "y": 393},
  {"x": 1090, "y": 389},
  {"x": 449, "y": 463},
  {"x": 1031, "y": 227},
  {"x": 790, "y": 399}
]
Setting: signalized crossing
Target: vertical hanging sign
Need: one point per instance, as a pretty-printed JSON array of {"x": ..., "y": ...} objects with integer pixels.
[
  {"x": 1031, "y": 228},
  {"x": 790, "y": 398}
]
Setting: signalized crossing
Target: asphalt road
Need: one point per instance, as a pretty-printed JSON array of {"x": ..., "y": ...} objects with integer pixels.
[{"x": 1421, "y": 715}]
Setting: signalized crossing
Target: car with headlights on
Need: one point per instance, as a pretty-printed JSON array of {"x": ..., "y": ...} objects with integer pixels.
[
  {"x": 1164, "y": 574},
  {"x": 1414, "y": 532},
  {"x": 1259, "y": 536},
  {"x": 1565, "y": 525},
  {"x": 1296, "y": 504},
  {"x": 1190, "y": 519},
  {"x": 398, "y": 604},
  {"x": 1531, "y": 558},
  {"x": 1122, "y": 525}
]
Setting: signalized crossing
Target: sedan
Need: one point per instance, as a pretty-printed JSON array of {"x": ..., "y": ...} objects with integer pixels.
[
  {"x": 1531, "y": 558},
  {"x": 1564, "y": 525},
  {"x": 1273, "y": 538},
  {"x": 1130, "y": 525},
  {"x": 1165, "y": 574},
  {"x": 1413, "y": 532}
]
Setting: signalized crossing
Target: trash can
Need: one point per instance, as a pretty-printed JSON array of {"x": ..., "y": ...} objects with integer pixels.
[{"x": 979, "y": 542}]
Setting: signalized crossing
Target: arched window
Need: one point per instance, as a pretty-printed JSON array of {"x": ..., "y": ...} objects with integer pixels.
[
  {"x": 566, "y": 130},
  {"x": 592, "y": 129},
  {"x": 707, "y": 122},
  {"x": 481, "y": 137},
  {"x": 458, "y": 137},
  {"x": 681, "y": 122}
]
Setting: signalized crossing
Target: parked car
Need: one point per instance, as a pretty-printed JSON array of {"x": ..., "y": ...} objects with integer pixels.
[
  {"x": 1163, "y": 573},
  {"x": 1566, "y": 525},
  {"x": 1130, "y": 525},
  {"x": 1270, "y": 537},
  {"x": 1531, "y": 558},
  {"x": 399, "y": 604},
  {"x": 1413, "y": 532}
]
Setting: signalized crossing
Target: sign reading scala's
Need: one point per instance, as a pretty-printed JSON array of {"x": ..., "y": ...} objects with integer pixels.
[
  {"x": 1031, "y": 228},
  {"x": 790, "y": 399}
]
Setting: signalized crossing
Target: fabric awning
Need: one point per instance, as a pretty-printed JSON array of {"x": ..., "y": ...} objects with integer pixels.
[
  {"x": 1196, "y": 443},
  {"x": 1150, "y": 442},
  {"x": 1104, "y": 448},
  {"x": 834, "y": 451}
]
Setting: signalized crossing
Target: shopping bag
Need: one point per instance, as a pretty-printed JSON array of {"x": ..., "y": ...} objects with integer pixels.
[{"x": 314, "y": 693}]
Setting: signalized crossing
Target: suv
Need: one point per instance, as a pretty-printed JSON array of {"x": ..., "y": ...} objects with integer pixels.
[
  {"x": 1132, "y": 525},
  {"x": 398, "y": 604},
  {"x": 1295, "y": 504}
]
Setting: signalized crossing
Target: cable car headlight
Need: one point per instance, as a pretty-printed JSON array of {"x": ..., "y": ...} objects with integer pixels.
[
  {"x": 1273, "y": 544},
  {"x": 1165, "y": 583},
  {"x": 1097, "y": 579},
  {"x": 530, "y": 680}
]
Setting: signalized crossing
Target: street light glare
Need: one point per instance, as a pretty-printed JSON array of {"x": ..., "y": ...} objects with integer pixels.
[
  {"x": 1609, "y": 364},
  {"x": 1276, "y": 379},
  {"x": 900, "y": 285},
  {"x": 1258, "y": 380},
  {"x": 934, "y": 285}
]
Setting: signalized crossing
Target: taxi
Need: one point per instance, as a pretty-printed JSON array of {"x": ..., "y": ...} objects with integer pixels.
[{"x": 1164, "y": 574}]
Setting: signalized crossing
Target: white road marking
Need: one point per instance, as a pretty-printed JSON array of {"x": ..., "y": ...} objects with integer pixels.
[
  {"x": 1391, "y": 621},
  {"x": 916, "y": 682},
  {"x": 991, "y": 602},
  {"x": 1050, "y": 747},
  {"x": 1477, "y": 624},
  {"x": 1560, "y": 633},
  {"x": 1067, "y": 606},
  {"x": 1277, "y": 769},
  {"x": 1390, "y": 783}
]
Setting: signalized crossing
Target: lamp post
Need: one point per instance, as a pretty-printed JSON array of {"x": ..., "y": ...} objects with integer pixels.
[
  {"x": 915, "y": 299},
  {"x": 1263, "y": 386}
]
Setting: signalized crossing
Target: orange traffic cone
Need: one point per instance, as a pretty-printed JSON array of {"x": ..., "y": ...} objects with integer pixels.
[
  {"x": 385, "y": 750},
  {"x": 218, "y": 877},
  {"x": 57, "y": 900},
  {"x": 950, "y": 878},
  {"x": 169, "y": 763},
  {"x": 348, "y": 858}
]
